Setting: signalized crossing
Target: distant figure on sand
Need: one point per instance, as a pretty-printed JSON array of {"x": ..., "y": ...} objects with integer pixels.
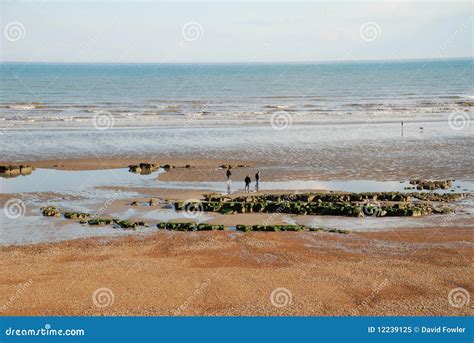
[
  {"x": 247, "y": 183},
  {"x": 228, "y": 173},
  {"x": 402, "y": 127},
  {"x": 257, "y": 180}
]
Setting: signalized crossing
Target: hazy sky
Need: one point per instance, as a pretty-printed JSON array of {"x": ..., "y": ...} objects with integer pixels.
[{"x": 126, "y": 31}]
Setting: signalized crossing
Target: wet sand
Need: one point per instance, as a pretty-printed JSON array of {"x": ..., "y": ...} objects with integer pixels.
[{"x": 407, "y": 272}]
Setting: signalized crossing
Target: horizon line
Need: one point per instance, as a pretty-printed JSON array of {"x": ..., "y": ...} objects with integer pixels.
[{"x": 257, "y": 62}]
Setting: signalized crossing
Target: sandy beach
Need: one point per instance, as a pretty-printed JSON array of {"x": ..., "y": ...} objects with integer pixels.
[{"x": 408, "y": 272}]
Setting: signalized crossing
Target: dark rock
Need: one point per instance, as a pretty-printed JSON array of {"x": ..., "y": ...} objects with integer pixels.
[
  {"x": 143, "y": 168},
  {"x": 432, "y": 184},
  {"x": 51, "y": 211},
  {"x": 101, "y": 221},
  {"x": 76, "y": 215},
  {"x": 13, "y": 171}
]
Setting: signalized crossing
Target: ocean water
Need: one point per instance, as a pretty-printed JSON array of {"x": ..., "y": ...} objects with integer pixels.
[
  {"x": 69, "y": 95},
  {"x": 334, "y": 120}
]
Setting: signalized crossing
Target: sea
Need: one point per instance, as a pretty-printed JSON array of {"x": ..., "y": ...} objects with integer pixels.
[
  {"x": 386, "y": 120},
  {"x": 39, "y": 94}
]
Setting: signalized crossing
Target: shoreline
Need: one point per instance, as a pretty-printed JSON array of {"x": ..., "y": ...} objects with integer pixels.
[
  {"x": 85, "y": 123},
  {"x": 210, "y": 169}
]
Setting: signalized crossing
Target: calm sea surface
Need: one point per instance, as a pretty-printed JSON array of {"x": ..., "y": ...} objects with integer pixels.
[{"x": 137, "y": 94}]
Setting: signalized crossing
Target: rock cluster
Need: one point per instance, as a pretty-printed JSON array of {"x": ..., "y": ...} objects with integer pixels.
[
  {"x": 86, "y": 218},
  {"x": 225, "y": 166},
  {"x": 247, "y": 228},
  {"x": 143, "y": 168},
  {"x": 76, "y": 215},
  {"x": 99, "y": 221},
  {"x": 189, "y": 226},
  {"x": 432, "y": 184},
  {"x": 338, "y": 197},
  {"x": 13, "y": 171},
  {"x": 378, "y": 204},
  {"x": 51, "y": 211},
  {"x": 124, "y": 224},
  {"x": 244, "y": 228}
]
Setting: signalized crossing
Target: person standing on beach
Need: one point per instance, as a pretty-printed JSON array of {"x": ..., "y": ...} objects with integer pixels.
[
  {"x": 247, "y": 183},
  {"x": 228, "y": 173},
  {"x": 257, "y": 180}
]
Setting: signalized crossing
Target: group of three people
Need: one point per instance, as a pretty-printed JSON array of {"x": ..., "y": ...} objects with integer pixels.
[{"x": 247, "y": 180}]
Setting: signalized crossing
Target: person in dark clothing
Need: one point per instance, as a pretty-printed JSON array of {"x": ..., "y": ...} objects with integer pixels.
[
  {"x": 247, "y": 183},
  {"x": 228, "y": 173},
  {"x": 257, "y": 180}
]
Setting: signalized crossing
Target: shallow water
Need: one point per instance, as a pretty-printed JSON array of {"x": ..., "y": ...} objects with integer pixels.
[
  {"x": 387, "y": 223},
  {"x": 85, "y": 183},
  {"x": 32, "y": 229},
  {"x": 74, "y": 182},
  {"x": 78, "y": 191}
]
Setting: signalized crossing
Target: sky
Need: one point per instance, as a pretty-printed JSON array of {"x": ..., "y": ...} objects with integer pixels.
[{"x": 259, "y": 31}]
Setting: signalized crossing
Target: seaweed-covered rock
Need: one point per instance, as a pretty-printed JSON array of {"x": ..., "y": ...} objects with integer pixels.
[
  {"x": 51, "y": 211},
  {"x": 126, "y": 224},
  {"x": 76, "y": 215},
  {"x": 321, "y": 229},
  {"x": 330, "y": 197},
  {"x": 332, "y": 203},
  {"x": 101, "y": 221},
  {"x": 209, "y": 227},
  {"x": 269, "y": 228},
  {"x": 177, "y": 226},
  {"x": 432, "y": 184}
]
